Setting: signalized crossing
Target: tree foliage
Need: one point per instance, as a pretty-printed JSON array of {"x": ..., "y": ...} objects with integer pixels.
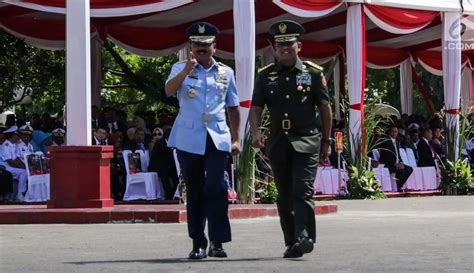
[{"x": 27, "y": 70}]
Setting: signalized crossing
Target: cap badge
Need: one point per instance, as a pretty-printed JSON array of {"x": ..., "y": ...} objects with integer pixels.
[
  {"x": 282, "y": 28},
  {"x": 202, "y": 29}
]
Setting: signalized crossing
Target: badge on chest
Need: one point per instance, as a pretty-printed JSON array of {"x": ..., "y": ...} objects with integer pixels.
[
  {"x": 303, "y": 82},
  {"x": 303, "y": 79},
  {"x": 222, "y": 80}
]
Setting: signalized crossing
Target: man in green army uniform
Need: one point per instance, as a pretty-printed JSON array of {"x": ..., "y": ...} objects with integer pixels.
[{"x": 292, "y": 90}]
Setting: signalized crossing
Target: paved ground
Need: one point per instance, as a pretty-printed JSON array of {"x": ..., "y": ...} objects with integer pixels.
[{"x": 427, "y": 234}]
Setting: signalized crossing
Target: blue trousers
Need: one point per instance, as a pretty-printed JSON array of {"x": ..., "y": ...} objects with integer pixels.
[{"x": 206, "y": 194}]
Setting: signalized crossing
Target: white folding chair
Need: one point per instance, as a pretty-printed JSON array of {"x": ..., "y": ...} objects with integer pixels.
[
  {"x": 430, "y": 180},
  {"x": 38, "y": 181},
  {"x": 376, "y": 154},
  {"x": 383, "y": 175},
  {"x": 141, "y": 185},
  {"x": 324, "y": 183},
  {"x": 411, "y": 158},
  {"x": 415, "y": 181},
  {"x": 335, "y": 180}
]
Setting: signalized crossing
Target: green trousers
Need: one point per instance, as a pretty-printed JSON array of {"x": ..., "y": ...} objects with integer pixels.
[{"x": 294, "y": 174}]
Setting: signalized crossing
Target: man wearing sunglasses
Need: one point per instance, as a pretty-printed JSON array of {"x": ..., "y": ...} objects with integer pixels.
[
  {"x": 292, "y": 90},
  {"x": 205, "y": 90}
]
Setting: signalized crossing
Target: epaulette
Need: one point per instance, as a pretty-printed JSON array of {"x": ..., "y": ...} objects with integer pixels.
[
  {"x": 314, "y": 65},
  {"x": 265, "y": 67},
  {"x": 224, "y": 65}
]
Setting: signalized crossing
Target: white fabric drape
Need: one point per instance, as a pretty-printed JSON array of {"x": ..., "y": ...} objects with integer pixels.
[
  {"x": 466, "y": 90},
  {"x": 268, "y": 57},
  {"x": 406, "y": 88},
  {"x": 183, "y": 53},
  {"x": 337, "y": 88},
  {"x": 451, "y": 49},
  {"x": 244, "y": 35},
  {"x": 355, "y": 44}
]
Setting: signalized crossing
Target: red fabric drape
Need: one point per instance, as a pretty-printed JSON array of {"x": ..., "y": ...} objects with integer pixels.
[
  {"x": 46, "y": 29},
  {"x": 422, "y": 89},
  {"x": 319, "y": 50},
  {"x": 142, "y": 38},
  {"x": 312, "y": 5},
  {"x": 386, "y": 57},
  {"x": 404, "y": 19}
]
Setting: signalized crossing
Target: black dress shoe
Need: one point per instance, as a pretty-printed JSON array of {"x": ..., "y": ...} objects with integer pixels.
[
  {"x": 216, "y": 250},
  {"x": 198, "y": 253},
  {"x": 291, "y": 252},
  {"x": 304, "y": 245}
]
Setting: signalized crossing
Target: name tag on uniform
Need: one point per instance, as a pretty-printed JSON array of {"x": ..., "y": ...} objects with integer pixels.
[{"x": 303, "y": 79}]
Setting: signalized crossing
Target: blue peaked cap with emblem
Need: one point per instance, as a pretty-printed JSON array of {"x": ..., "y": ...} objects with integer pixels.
[{"x": 202, "y": 32}]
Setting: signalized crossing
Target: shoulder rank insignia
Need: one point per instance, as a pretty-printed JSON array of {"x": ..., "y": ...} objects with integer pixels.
[
  {"x": 265, "y": 67},
  {"x": 224, "y": 65},
  {"x": 314, "y": 65}
]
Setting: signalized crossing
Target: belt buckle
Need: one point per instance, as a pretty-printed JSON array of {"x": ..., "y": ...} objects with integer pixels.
[{"x": 286, "y": 124}]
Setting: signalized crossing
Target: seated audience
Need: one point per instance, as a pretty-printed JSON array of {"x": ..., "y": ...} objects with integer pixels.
[
  {"x": 162, "y": 162},
  {"x": 100, "y": 137},
  {"x": 138, "y": 141},
  {"x": 11, "y": 162},
  {"x": 58, "y": 137},
  {"x": 438, "y": 143},
  {"x": 426, "y": 153},
  {"x": 390, "y": 156}
]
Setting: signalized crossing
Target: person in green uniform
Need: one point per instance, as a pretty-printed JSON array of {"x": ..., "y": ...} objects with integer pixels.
[{"x": 293, "y": 91}]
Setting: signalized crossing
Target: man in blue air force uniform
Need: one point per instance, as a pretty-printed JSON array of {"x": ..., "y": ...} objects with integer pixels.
[{"x": 205, "y": 89}]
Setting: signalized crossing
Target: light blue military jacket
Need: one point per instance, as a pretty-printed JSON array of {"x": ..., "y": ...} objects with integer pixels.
[{"x": 203, "y": 98}]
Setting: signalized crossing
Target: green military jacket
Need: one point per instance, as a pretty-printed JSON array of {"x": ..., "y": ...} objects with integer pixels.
[{"x": 292, "y": 95}]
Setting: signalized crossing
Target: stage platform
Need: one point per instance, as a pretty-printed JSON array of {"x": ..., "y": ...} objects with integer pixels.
[{"x": 136, "y": 213}]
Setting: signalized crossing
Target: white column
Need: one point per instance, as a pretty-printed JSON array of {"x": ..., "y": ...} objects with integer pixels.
[
  {"x": 451, "y": 42},
  {"x": 78, "y": 73},
  {"x": 355, "y": 44},
  {"x": 466, "y": 90},
  {"x": 406, "y": 87},
  {"x": 244, "y": 35}
]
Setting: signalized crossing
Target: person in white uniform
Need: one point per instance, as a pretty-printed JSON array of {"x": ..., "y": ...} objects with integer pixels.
[
  {"x": 9, "y": 159},
  {"x": 58, "y": 137},
  {"x": 24, "y": 145}
]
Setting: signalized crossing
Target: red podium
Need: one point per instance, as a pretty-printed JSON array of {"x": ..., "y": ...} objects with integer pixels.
[{"x": 80, "y": 177}]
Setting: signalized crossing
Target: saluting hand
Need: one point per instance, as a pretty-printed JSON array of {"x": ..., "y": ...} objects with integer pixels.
[
  {"x": 257, "y": 140},
  {"x": 190, "y": 63}
]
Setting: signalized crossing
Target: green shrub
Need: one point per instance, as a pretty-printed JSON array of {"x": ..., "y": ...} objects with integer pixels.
[
  {"x": 456, "y": 178},
  {"x": 270, "y": 194}
]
